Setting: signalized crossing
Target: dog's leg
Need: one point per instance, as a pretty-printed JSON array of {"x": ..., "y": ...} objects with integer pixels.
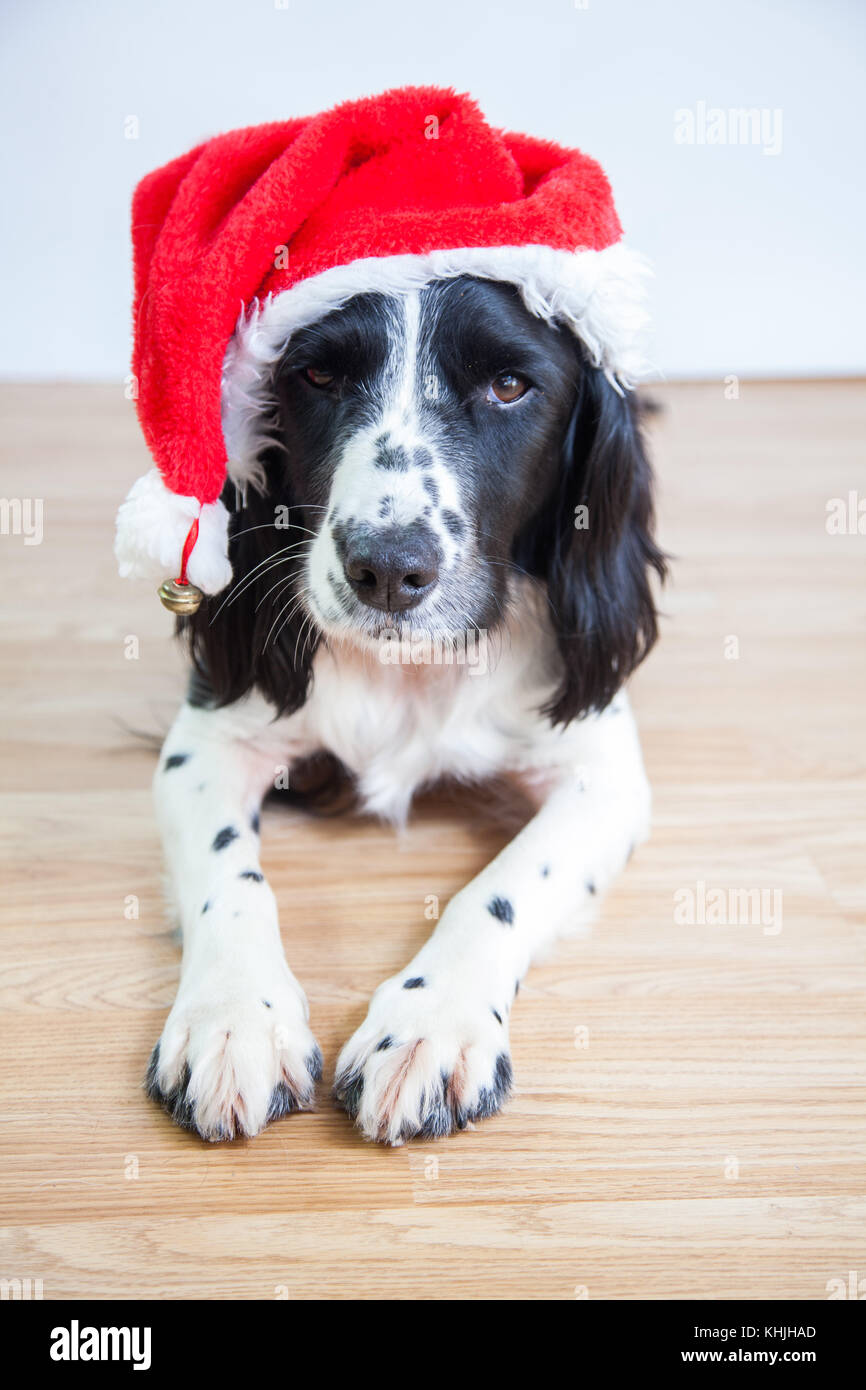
[
  {"x": 433, "y": 1053},
  {"x": 236, "y": 1050}
]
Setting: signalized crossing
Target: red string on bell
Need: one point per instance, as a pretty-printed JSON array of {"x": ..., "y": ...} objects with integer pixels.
[
  {"x": 191, "y": 538},
  {"x": 180, "y": 595}
]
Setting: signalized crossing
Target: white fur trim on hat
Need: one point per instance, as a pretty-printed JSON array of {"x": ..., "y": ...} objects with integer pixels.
[
  {"x": 599, "y": 295},
  {"x": 152, "y": 525}
]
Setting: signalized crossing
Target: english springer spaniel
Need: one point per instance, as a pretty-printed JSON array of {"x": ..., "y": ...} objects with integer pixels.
[{"x": 444, "y": 574}]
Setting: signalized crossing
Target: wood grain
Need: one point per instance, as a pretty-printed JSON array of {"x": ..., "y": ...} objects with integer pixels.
[{"x": 707, "y": 1142}]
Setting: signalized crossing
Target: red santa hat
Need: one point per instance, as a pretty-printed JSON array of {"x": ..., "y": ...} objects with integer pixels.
[{"x": 256, "y": 233}]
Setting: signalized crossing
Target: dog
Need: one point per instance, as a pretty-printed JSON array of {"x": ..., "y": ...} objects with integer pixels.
[{"x": 434, "y": 461}]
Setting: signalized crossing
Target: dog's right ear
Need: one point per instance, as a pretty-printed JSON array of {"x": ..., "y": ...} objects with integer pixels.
[{"x": 257, "y": 634}]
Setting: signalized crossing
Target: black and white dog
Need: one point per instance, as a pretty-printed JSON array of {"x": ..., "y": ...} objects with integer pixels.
[{"x": 443, "y": 463}]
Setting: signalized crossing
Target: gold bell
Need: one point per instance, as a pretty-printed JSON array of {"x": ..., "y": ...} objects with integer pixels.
[{"x": 180, "y": 598}]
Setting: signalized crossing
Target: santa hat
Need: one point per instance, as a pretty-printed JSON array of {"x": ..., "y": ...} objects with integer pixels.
[{"x": 256, "y": 233}]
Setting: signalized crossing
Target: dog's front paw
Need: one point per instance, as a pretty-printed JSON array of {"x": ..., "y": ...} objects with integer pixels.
[
  {"x": 235, "y": 1054},
  {"x": 428, "y": 1059}
]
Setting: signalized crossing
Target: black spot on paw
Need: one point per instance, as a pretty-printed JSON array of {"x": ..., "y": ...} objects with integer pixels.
[
  {"x": 176, "y": 1102},
  {"x": 224, "y": 837},
  {"x": 284, "y": 1101},
  {"x": 385, "y": 1044},
  {"x": 254, "y": 823},
  {"x": 502, "y": 910},
  {"x": 590, "y": 888},
  {"x": 252, "y": 874},
  {"x": 348, "y": 1092},
  {"x": 545, "y": 870},
  {"x": 437, "y": 1120},
  {"x": 497, "y": 1015},
  {"x": 176, "y": 760},
  {"x": 151, "y": 1085},
  {"x": 206, "y": 908},
  {"x": 493, "y": 1097},
  {"x": 267, "y": 1003},
  {"x": 417, "y": 982},
  {"x": 314, "y": 1063}
]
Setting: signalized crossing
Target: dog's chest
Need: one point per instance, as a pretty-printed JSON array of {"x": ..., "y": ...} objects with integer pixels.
[{"x": 398, "y": 728}]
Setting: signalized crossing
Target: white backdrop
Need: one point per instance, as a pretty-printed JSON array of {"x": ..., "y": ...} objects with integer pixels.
[{"x": 758, "y": 246}]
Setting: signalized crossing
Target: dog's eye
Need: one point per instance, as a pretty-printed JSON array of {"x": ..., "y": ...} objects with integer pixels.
[
  {"x": 318, "y": 378},
  {"x": 507, "y": 387}
]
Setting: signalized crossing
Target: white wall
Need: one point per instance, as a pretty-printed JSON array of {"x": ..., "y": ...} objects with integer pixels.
[{"x": 758, "y": 256}]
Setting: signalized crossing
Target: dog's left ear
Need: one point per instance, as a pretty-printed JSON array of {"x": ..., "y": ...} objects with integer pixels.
[{"x": 597, "y": 532}]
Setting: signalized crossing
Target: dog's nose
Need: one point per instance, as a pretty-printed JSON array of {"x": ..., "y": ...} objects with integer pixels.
[{"x": 393, "y": 569}]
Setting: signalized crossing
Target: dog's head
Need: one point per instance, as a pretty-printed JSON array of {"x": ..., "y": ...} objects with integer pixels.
[{"x": 430, "y": 447}]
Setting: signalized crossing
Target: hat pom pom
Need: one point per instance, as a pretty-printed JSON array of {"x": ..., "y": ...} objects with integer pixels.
[{"x": 152, "y": 527}]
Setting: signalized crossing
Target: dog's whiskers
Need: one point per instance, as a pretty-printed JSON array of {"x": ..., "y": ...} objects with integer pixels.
[
  {"x": 282, "y": 585},
  {"x": 297, "y": 599},
  {"x": 307, "y": 621},
  {"x": 280, "y": 557}
]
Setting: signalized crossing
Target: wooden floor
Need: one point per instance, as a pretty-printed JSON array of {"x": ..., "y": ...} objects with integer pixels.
[{"x": 708, "y": 1140}]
